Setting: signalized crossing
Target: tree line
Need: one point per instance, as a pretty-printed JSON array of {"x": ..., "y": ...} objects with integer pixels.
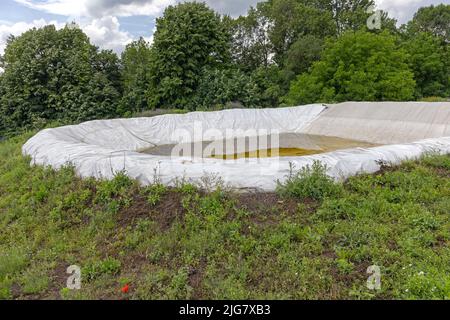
[{"x": 282, "y": 52}]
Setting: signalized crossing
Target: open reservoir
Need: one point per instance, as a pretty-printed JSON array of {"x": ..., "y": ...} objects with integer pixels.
[{"x": 283, "y": 145}]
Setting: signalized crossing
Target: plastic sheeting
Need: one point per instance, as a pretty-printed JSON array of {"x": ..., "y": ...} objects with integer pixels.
[
  {"x": 100, "y": 149},
  {"x": 384, "y": 122}
]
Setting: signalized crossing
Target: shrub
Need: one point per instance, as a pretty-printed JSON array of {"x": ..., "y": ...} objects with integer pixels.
[
  {"x": 220, "y": 87},
  {"x": 115, "y": 188},
  {"x": 155, "y": 193},
  {"x": 359, "y": 66},
  {"x": 310, "y": 182}
]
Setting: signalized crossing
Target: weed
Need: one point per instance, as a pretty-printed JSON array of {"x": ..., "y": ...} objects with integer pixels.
[
  {"x": 310, "y": 182},
  {"x": 154, "y": 193}
]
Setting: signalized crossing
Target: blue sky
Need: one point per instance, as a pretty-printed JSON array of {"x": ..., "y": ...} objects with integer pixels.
[{"x": 112, "y": 24}]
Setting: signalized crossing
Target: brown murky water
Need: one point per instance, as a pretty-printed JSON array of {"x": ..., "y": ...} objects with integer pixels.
[{"x": 283, "y": 145}]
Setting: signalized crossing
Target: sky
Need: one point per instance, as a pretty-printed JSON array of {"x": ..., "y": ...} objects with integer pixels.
[{"x": 111, "y": 24}]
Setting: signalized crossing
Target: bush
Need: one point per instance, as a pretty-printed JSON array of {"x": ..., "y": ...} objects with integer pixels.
[
  {"x": 359, "y": 66},
  {"x": 220, "y": 87},
  {"x": 310, "y": 182},
  {"x": 273, "y": 84}
]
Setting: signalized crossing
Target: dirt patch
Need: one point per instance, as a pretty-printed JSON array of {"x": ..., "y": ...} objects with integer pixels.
[
  {"x": 440, "y": 242},
  {"x": 261, "y": 206},
  {"x": 58, "y": 280},
  {"x": 139, "y": 208},
  {"x": 168, "y": 209},
  {"x": 269, "y": 208},
  {"x": 329, "y": 254},
  {"x": 359, "y": 274},
  {"x": 442, "y": 172},
  {"x": 196, "y": 275},
  {"x": 265, "y": 203},
  {"x": 16, "y": 290}
]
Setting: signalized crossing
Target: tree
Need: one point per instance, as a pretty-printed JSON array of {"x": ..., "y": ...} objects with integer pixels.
[
  {"x": 108, "y": 63},
  {"x": 272, "y": 83},
  {"x": 292, "y": 19},
  {"x": 188, "y": 38},
  {"x": 430, "y": 65},
  {"x": 348, "y": 14},
  {"x": 359, "y": 66},
  {"x": 251, "y": 46},
  {"x": 434, "y": 20},
  {"x": 56, "y": 75},
  {"x": 136, "y": 60},
  {"x": 303, "y": 53}
]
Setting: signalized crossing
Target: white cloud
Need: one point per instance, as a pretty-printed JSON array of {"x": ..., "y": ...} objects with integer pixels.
[
  {"x": 61, "y": 7},
  {"x": 99, "y": 8},
  {"x": 105, "y": 32},
  {"x": 125, "y": 8},
  {"x": 232, "y": 7},
  {"x": 403, "y": 10}
]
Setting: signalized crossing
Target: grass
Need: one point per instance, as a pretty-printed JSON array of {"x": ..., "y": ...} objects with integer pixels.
[{"x": 312, "y": 240}]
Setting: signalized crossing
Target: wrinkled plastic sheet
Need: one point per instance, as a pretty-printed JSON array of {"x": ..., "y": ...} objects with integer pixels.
[{"x": 103, "y": 148}]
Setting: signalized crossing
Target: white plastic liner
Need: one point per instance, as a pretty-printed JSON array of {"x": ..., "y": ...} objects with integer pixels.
[
  {"x": 384, "y": 122},
  {"x": 100, "y": 149}
]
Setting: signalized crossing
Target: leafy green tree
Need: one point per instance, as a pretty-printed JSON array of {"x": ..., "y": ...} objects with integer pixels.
[
  {"x": 291, "y": 19},
  {"x": 189, "y": 37},
  {"x": 56, "y": 75},
  {"x": 136, "y": 60},
  {"x": 434, "y": 20},
  {"x": 360, "y": 66},
  {"x": 431, "y": 66},
  {"x": 108, "y": 63},
  {"x": 251, "y": 46},
  {"x": 303, "y": 53},
  {"x": 348, "y": 14}
]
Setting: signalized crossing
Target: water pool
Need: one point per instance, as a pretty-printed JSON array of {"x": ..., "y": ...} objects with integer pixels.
[{"x": 283, "y": 145}]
